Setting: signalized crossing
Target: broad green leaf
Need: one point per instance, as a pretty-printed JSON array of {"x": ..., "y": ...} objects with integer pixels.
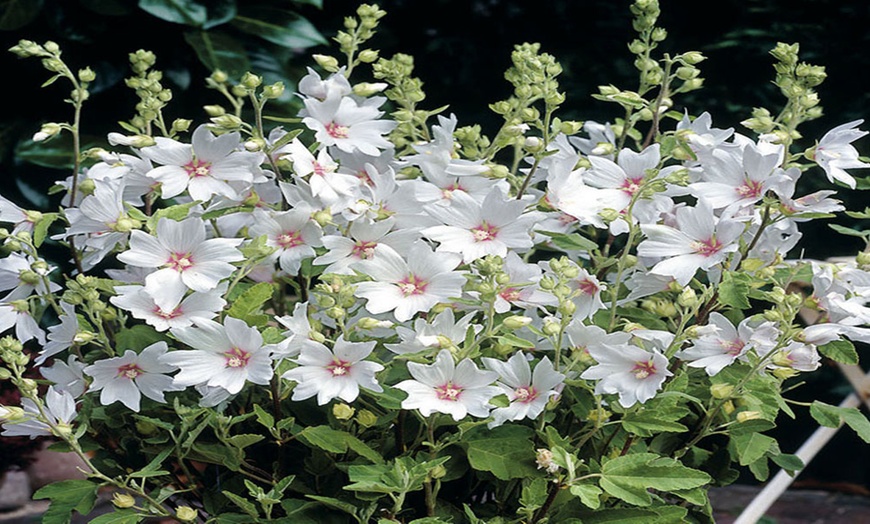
[
  {"x": 734, "y": 290},
  {"x": 218, "y": 51},
  {"x": 122, "y": 516},
  {"x": 40, "y": 230},
  {"x": 67, "y": 496},
  {"x": 334, "y": 503},
  {"x": 645, "y": 424},
  {"x": 841, "y": 351},
  {"x": 751, "y": 447},
  {"x": 336, "y": 441},
  {"x": 589, "y": 494},
  {"x": 570, "y": 242},
  {"x": 628, "y": 477},
  {"x": 509, "y": 339},
  {"x": 246, "y": 505},
  {"x": 243, "y": 441},
  {"x": 177, "y": 212},
  {"x": 505, "y": 451},
  {"x": 279, "y": 26},
  {"x": 534, "y": 494},
  {"x": 137, "y": 338},
  {"x": 17, "y": 14},
  {"x": 251, "y": 299},
  {"x": 843, "y": 230},
  {"x": 659, "y": 515},
  {"x": 788, "y": 462},
  {"x": 833, "y": 416},
  {"x": 186, "y": 12}
]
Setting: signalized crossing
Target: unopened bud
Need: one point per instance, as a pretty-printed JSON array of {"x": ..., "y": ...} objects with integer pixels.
[
  {"x": 342, "y": 411},
  {"x": 185, "y": 513},
  {"x": 328, "y": 63},
  {"x": 744, "y": 416},
  {"x": 367, "y": 89},
  {"x": 721, "y": 390},
  {"x": 123, "y": 500},
  {"x": 366, "y": 418},
  {"x": 516, "y": 322}
]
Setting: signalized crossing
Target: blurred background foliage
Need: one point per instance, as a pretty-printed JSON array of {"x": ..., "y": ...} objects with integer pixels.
[{"x": 461, "y": 50}]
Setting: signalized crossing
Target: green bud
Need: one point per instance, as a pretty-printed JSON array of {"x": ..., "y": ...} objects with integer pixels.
[
  {"x": 552, "y": 326},
  {"x": 367, "y": 56},
  {"x": 186, "y": 514},
  {"x": 123, "y": 500},
  {"x": 745, "y": 416},
  {"x": 273, "y": 91},
  {"x": 366, "y": 418},
  {"x": 516, "y": 322},
  {"x": 87, "y": 75},
  {"x": 721, "y": 390},
  {"x": 326, "y": 62},
  {"x": 251, "y": 81},
  {"x": 342, "y": 411},
  {"x": 366, "y": 89}
]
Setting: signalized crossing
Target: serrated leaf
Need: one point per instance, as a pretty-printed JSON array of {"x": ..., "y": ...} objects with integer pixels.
[
  {"x": 336, "y": 441},
  {"x": 570, "y": 241},
  {"x": 734, "y": 290},
  {"x": 833, "y": 416},
  {"x": 246, "y": 505},
  {"x": 40, "y": 230},
  {"x": 841, "y": 351},
  {"x": 630, "y": 476},
  {"x": 751, "y": 447},
  {"x": 243, "y": 441},
  {"x": 589, "y": 494},
  {"x": 251, "y": 300},
  {"x": 67, "y": 496}
]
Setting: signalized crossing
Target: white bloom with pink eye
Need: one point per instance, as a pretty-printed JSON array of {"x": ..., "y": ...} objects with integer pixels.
[
  {"x": 292, "y": 233},
  {"x": 225, "y": 356},
  {"x": 170, "y": 309},
  {"x": 700, "y": 241},
  {"x": 184, "y": 258},
  {"x": 10, "y": 213},
  {"x": 724, "y": 343},
  {"x": 363, "y": 235},
  {"x": 298, "y": 332},
  {"x": 629, "y": 371},
  {"x": 66, "y": 376},
  {"x": 335, "y": 189},
  {"x": 334, "y": 374},
  {"x": 60, "y": 336},
  {"x": 126, "y": 378},
  {"x": 203, "y": 168},
  {"x": 407, "y": 287},
  {"x": 835, "y": 153},
  {"x": 17, "y": 314},
  {"x": 341, "y": 122},
  {"x": 60, "y": 410},
  {"x": 335, "y": 84},
  {"x": 447, "y": 387},
  {"x": 528, "y": 391},
  {"x": 440, "y": 332},
  {"x": 477, "y": 229},
  {"x": 796, "y": 356},
  {"x": 438, "y": 157},
  {"x": 20, "y": 274}
]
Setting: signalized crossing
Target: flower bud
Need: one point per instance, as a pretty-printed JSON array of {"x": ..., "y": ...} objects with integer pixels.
[
  {"x": 721, "y": 390},
  {"x": 214, "y": 110},
  {"x": 326, "y": 62},
  {"x": 552, "y": 326},
  {"x": 438, "y": 472},
  {"x": 46, "y": 131},
  {"x": 516, "y": 322},
  {"x": 123, "y": 500},
  {"x": 342, "y": 411},
  {"x": 185, "y": 513},
  {"x": 366, "y": 418},
  {"x": 744, "y": 416},
  {"x": 367, "y": 56},
  {"x": 367, "y": 89}
]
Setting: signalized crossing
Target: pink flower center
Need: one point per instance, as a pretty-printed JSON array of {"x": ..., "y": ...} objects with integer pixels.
[
  {"x": 484, "y": 232},
  {"x": 511, "y": 294},
  {"x": 179, "y": 261},
  {"x": 129, "y": 371},
  {"x": 237, "y": 358},
  {"x": 197, "y": 168},
  {"x": 319, "y": 169},
  {"x": 708, "y": 247},
  {"x": 363, "y": 248},
  {"x": 412, "y": 285},
  {"x": 289, "y": 239},
  {"x": 642, "y": 370},
  {"x": 631, "y": 185},
  {"x": 750, "y": 189},
  {"x": 338, "y": 368},
  {"x": 733, "y": 347},
  {"x": 587, "y": 286},
  {"x": 447, "y": 192},
  {"x": 167, "y": 315},
  {"x": 448, "y": 391},
  {"x": 525, "y": 394},
  {"x": 336, "y": 130}
]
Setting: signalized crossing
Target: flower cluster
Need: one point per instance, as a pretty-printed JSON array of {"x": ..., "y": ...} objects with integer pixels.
[{"x": 363, "y": 304}]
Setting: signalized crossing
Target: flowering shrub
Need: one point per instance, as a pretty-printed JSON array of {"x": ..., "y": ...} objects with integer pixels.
[{"x": 351, "y": 315}]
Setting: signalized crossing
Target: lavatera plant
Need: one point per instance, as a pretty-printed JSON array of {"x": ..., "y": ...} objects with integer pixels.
[{"x": 367, "y": 313}]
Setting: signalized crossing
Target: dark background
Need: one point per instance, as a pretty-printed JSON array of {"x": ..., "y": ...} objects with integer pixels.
[{"x": 461, "y": 50}]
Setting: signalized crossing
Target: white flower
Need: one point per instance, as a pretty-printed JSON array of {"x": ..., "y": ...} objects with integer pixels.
[
  {"x": 528, "y": 391},
  {"x": 203, "y": 168},
  {"x": 408, "y": 287},
  {"x": 334, "y": 374},
  {"x": 17, "y": 314},
  {"x": 477, "y": 229},
  {"x": 126, "y": 378},
  {"x": 446, "y": 387},
  {"x": 339, "y": 121},
  {"x": 184, "y": 256},
  {"x": 633, "y": 373},
  {"x": 60, "y": 410},
  {"x": 66, "y": 376},
  {"x": 298, "y": 332},
  {"x": 718, "y": 347},
  {"x": 834, "y": 153},
  {"x": 335, "y": 189},
  {"x": 362, "y": 237},
  {"x": 292, "y": 233},
  {"x": 173, "y": 310},
  {"x": 226, "y": 356},
  {"x": 698, "y": 242},
  {"x": 60, "y": 336},
  {"x": 441, "y": 332}
]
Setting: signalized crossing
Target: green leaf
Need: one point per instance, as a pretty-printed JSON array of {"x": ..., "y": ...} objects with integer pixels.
[
  {"x": 734, "y": 290},
  {"x": 570, "y": 242},
  {"x": 788, "y": 462},
  {"x": 659, "y": 515},
  {"x": 751, "y": 447},
  {"x": 336, "y": 441},
  {"x": 219, "y": 51},
  {"x": 246, "y": 505},
  {"x": 40, "y": 230},
  {"x": 509, "y": 339},
  {"x": 630, "y": 476},
  {"x": 841, "y": 351},
  {"x": 589, "y": 494},
  {"x": 177, "y": 212},
  {"x": 843, "y": 230},
  {"x": 137, "y": 338},
  {"x": 505, "y": 451},
  {"x": 18, "y": 14},
  {"x": 251, "y": 300},
  {"x": 279, "y": 26},
  {"x": 122, "y": 516},
  {"x": 833, "y": 416},
  {"x": 187, "y": 12},
  {"x": 646, "y": 424},
  {"x": 67, "y": 496},
  {"x": 243, "y": 441}
]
